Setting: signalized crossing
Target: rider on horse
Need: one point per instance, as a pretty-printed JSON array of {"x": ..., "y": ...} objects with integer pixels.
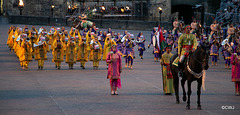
[{"x": 186, "y": 43}]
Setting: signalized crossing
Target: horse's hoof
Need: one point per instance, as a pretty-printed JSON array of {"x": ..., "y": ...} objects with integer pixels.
[
  {"x": 199, "y": 107},
  {"x": 184, "y": 98},
  {"x": 177, "y": 102},
  {"x": 188, "y": 107}
]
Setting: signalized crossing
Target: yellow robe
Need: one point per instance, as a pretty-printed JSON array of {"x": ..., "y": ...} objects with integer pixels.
[
  {"x": 107, "y": 47},
  {"x": 82, "y": 54},
  {"x": 71, "y": 53},
  {"x": 26, "y": 51},
  {"x": 167, "y": 82},
  {"x": 95, "y": 55},
  {"x": 41, "y": 52},
  {"x": 57, "y": 52}
]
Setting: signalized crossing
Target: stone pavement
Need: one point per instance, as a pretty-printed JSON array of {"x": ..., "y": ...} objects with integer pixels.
[{"x": 87, "y": 92}]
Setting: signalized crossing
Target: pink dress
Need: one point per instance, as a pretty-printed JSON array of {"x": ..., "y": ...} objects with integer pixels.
[
  {"x": 114, "y": 68},
  {"x": 235, "y": 73}
]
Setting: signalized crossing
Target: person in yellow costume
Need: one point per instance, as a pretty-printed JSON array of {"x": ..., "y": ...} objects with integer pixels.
[
  {"x": 77, "y": 37},
  {"x": 9, "y": 33},
  {"x": 71, "y": 53},
  {"x": 107, "y": 46},
  {"x": 65, "y": 40},
  {"x": 41, "y": 49},
  {"x": 82, "y": 54},
  {"x": 33, "y": 38},
  {"x": 57, "y": 52},
  {"x": 186, "y": 43},
  {"x": 11, "y": 37},
  {"x": 50, "y": 35},
  {"x": 26, "y": 53},
  {"x": 12, "y": 42},
  {"x": 17, "y": 46},
  {"x": 168, "y": 87},
  {"x": 72, "y": 31},
  {"x": 55, "y": 35},
  {"x": 16, "y": 40},
  {"x": 96, "y": 51}
]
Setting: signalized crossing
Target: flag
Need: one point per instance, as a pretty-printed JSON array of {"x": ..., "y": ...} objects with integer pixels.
[{"x": 160, "y": 40}]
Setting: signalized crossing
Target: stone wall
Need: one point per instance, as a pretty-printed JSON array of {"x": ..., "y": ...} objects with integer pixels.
[
  {"x": 166, "y": 9},
  {"x": 37, "y": 7}
]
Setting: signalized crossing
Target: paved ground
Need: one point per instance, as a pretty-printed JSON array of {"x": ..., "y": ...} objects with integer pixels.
[{"x": 80, "y": 92}]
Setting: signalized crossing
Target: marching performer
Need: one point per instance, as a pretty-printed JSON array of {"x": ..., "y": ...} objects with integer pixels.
[
  {"x": 227, "y": 51},
  {"x": 26, "y": 53},
  {"x": 65, "y": 40},
  {"x": 128, "y": 52},
  {"x": 82, "y": 54},
  {"x": 57, "y": 52},
  {"x": 96, "y": 51},
  {"x": 168, "y": 87},
  {"x": 41, "y": 49},
  {"x": 70, "y": 52},
  {"x": 141, "y": 44},
  {"x": 119, "y": 43},
  {"x": 231, "y": 32},
  {"x": 214, "y": 49}
]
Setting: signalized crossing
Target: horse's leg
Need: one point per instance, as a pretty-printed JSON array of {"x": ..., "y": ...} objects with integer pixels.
[
  {"x": 189, "y": 82},
  {"x": 199, "y": 92},
  {"x": 183, "y": 88},
  {"x": 176, "y": 88}
]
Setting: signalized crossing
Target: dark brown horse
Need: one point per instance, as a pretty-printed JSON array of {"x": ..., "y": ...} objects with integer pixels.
[
  {"x": 192, "y": 71},
  {"x": 77, "y": 23}
]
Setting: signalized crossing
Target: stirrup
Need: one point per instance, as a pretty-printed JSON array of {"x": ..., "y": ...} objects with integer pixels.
[{"x": 180, "y": 74}]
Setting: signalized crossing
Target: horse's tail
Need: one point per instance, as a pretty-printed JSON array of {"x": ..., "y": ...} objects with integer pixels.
[{"x": 203, "y": 80}]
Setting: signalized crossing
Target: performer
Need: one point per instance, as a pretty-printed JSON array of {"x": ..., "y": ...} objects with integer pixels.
[
  {"x": 71, "y": 52},
  {"x": 235, "y": 61},
  {"x": 119, "y": 43},
  {"x": 96, "y": 51},
  {"x": 26, "y": 55},
  {"x": 115, "y": 68},
  {"x": 155, "y": 47},
  {"x": 213, "y": 27},
  {"x": 65, "y": 40},
  {"x": 186, "y": 43},
  {"x": 41, "y": 49},
  {"x": 227, "y": 51},
  {"x": 141, "y": 44},
  {"x": 193, "y": 26},
  {"x": 231, "y": 33},
  {"x": 57, "y": 52},
  {"x": 128, "y": 51},
  {"x": 50, "y": 36},
  {"x": 168, "y": 87},
  {"x": 82, "y": 55},
  {"x": 107, "y": 46},
  {"x": 78, "y": 38},
  {"x": 11, "y": 38},
  {"x": 214, "y": 49},
  {"x": 175, "y": 26}
]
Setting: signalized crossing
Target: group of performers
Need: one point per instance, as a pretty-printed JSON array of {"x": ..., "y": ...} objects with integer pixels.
[
  {"x": 73, "y": 46},
  {"x": 185, "y": 39}
]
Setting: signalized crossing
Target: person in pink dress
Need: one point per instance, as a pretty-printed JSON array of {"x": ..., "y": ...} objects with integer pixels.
[
  {"x": 235, "y": 61},
  {"x": 114, "y": 69}
]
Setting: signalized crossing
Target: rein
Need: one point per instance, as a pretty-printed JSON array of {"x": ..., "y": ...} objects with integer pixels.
[{"x": 197, "y": 75}]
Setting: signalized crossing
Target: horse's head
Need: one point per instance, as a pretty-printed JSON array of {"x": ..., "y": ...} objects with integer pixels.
[{"x": 205, "y": 55}]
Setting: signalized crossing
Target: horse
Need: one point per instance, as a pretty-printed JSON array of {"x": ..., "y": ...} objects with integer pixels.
[
  {"x": 78, "y": 23},
  {"x": 193, "y": 68}
]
